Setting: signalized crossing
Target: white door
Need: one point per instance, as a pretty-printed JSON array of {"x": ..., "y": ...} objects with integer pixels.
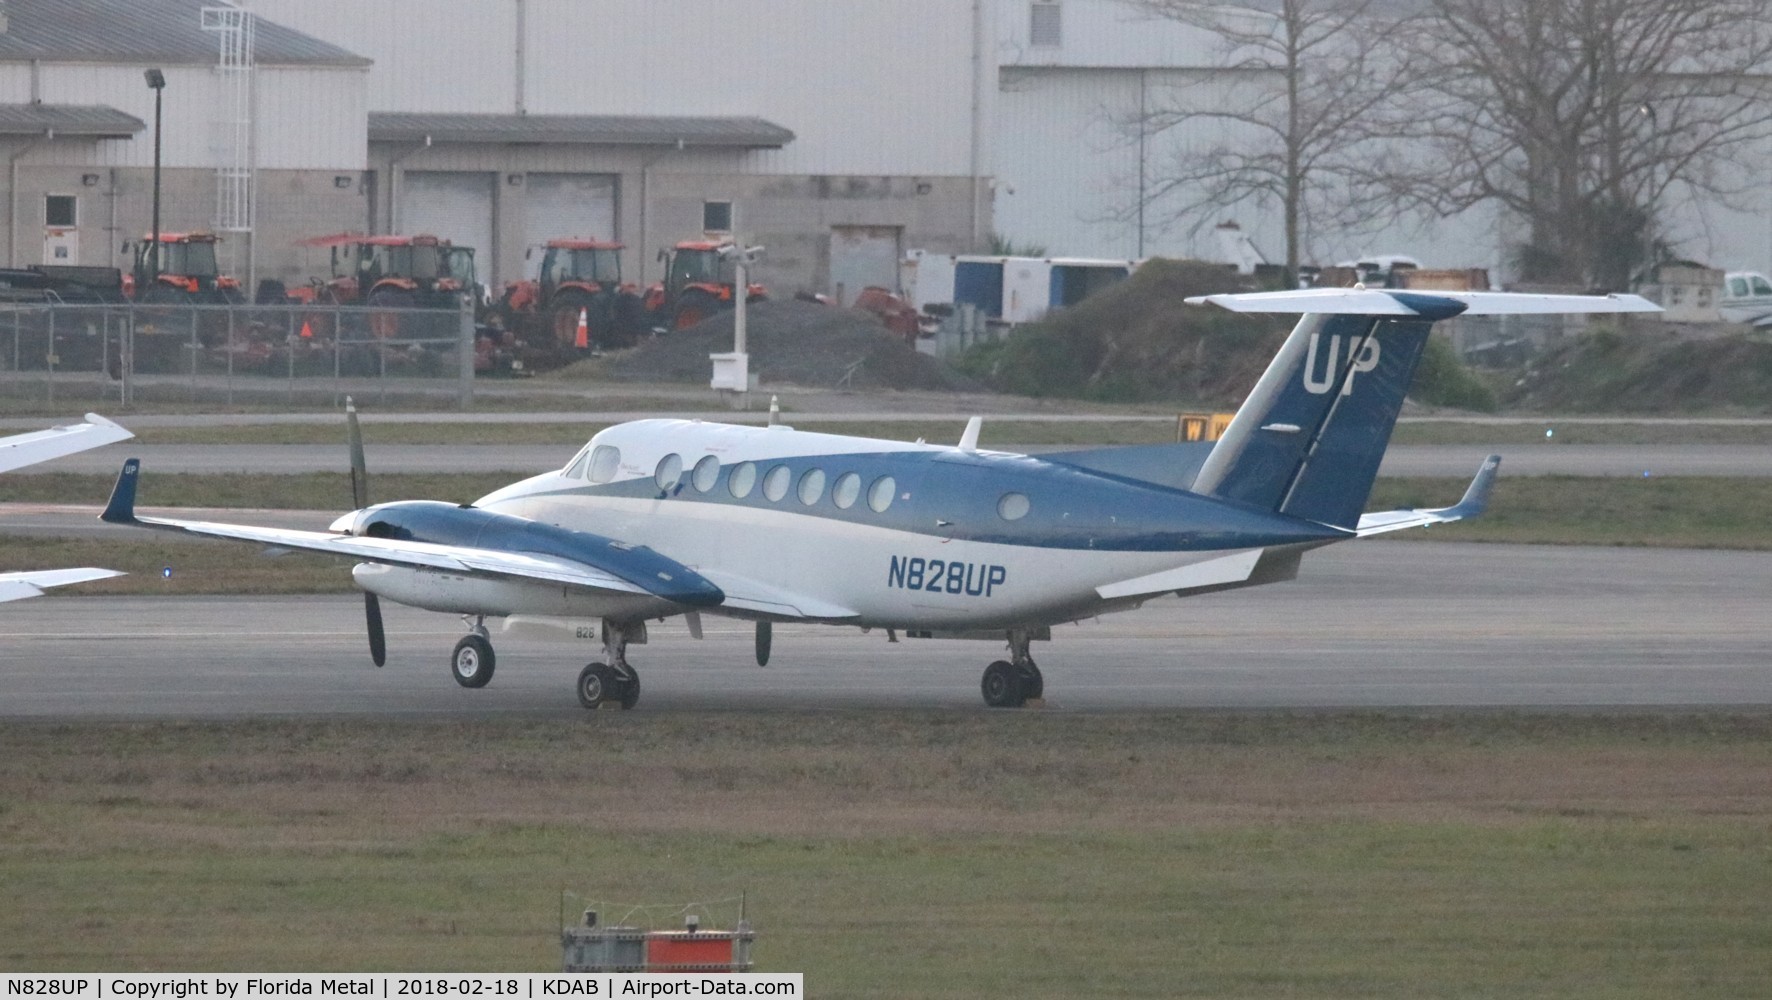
[
  {"x": 568, "y": 206},
  {"x": 454, "y": 206},
  {"x": 61, "y": 246},
  {"x": 863, "y": 256}
]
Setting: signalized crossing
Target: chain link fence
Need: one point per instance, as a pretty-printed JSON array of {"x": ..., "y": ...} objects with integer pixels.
[{"x": 138, "y": 352}]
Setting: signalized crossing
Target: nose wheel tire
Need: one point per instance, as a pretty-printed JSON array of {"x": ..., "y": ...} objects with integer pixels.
[
  {"x": 1003, "y": 685},
  {"x": 472, "y": 662}
]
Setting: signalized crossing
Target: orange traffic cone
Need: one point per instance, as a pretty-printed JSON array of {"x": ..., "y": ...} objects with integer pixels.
[
  {"x": 307, "y": 332},
  {"x": 582, "y": 339}
]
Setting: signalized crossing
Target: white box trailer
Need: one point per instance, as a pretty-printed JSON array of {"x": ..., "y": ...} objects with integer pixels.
[{"x": 1008, "y": 289}]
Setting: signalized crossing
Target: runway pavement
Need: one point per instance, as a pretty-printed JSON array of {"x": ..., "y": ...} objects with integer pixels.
[
  {"x": 1375, "y": 624},
  {"x": 523, "y": 460}
]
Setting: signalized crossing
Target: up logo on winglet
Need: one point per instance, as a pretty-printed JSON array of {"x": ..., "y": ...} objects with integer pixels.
[{"x": 1318, "y": 384}]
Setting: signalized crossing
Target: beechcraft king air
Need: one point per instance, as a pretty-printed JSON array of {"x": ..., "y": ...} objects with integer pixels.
[
  {"x": 21, "y": 450},
  {"x": 658, "y": 518}
]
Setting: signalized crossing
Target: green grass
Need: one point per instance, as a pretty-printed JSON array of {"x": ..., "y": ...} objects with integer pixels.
[
  {"x": 1665, "y": 511},
  {"x": 916, "y": 854}
]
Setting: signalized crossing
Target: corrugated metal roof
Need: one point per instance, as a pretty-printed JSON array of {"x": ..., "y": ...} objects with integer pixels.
[
  {"x": 94, "y": 120},
  {"x": 163, "y": 31},
  {"x": 618, "y": 130}
]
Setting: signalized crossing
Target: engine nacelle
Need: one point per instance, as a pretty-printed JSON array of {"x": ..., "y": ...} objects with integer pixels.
[{"x": 451, "y": 593}]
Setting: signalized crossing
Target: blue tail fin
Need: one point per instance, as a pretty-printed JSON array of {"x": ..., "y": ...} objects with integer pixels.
[{"x": 1308, "y": 440}]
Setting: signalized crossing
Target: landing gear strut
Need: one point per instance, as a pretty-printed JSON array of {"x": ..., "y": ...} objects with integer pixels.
[
  {"x": 613, "y": 681},
  {"x": 1010, "y": 683},
  {"x": 473, "y": 661}
]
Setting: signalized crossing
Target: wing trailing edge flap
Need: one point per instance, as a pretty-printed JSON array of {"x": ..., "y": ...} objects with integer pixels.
[
  {"x": 1475, "y": 501},
  {"x": 745, "y": 594},
  {"x": 18, "y": 586}
]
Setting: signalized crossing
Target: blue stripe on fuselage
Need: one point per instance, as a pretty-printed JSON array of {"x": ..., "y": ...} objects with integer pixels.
[{"x": 955, "y": 495}]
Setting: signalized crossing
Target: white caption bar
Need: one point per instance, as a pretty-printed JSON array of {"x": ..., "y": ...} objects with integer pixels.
[{"x": 396, "y": 986}]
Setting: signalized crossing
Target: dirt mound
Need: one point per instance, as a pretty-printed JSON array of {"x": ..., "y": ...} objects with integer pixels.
[
  {"x": 791, "y": 343},
  {"x": 1138, "y": 341},
  {"x": 1608, "y": 371}
]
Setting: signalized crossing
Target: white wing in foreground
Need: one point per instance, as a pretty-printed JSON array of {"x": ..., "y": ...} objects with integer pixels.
[
  {"x": 21, "y": 450},
  {"x": 18, "y": 586}
]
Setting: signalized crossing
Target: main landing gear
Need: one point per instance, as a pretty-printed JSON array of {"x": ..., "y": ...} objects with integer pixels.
[
  {"x": 473, "y": 661},
  {"x": 614, "y": 681},
  {"x": 1010, "y": 683}
]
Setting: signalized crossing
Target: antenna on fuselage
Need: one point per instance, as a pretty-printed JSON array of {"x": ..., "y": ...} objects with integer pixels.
[{"x": 969, "y": 437}]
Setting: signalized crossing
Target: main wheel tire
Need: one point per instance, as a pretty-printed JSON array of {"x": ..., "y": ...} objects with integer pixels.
[
  {"x": 472, "y": 662},
  {"x": 596, "y": 684},
  {"x": 1033, "y": 685},
  {"x": 630, "y": 689},
  {"x": 1002, "y": 685}
]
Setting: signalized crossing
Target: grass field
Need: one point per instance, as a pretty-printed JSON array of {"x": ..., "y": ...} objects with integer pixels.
[{"x": 921, "y": 854}]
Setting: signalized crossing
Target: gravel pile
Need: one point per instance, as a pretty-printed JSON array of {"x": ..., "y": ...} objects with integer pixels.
[{"x": 791, "y": 342}]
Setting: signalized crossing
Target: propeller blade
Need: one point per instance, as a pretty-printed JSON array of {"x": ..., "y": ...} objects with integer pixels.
[
  {"x": 765, "y": 638},
  {"x": 359, "y": 468},
  {"x": 378, "y": 640}
]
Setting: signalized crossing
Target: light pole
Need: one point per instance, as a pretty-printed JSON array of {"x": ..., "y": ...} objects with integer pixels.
[
  {"x": 157, "y": 83},
  {"x": 732, "y": 372}
]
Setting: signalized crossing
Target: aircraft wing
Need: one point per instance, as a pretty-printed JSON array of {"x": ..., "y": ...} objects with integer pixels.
[
  {"x": 21, "y": 450},
  {"x": 744, "y": 594},
  {"x": 1476, "y": 500},
  {"x": 1399, "y": 302},
  {"x": 18, "y": 586}
]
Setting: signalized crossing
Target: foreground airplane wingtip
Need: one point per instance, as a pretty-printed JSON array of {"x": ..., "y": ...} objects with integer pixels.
[{"x": 121, "y": 507}]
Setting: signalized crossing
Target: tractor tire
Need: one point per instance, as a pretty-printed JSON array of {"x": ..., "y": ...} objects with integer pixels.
[{"x": 692, "y": 308}]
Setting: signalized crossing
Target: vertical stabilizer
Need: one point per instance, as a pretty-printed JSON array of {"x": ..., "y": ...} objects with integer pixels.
[{"x": 1310, "y": 437}]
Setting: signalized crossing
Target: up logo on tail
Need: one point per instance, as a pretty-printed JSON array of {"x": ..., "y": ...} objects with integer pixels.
[{"x": 1318, "y": 384}]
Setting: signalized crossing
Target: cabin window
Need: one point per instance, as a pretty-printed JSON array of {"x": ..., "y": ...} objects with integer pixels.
[
  {"x": 669, "y": 472},
  {"x": 742, "y": 480},
  {"x": 1738, "y": 287},
  {"x": 775, "y": 484},
  {"x": 811, "y": 486},
  {"x": 1761, "y": 287},
  {"x": 605, "y": 462},
  {"x": 846, "y": 490},
  {"x": 880, "y": 494},
  {"x": 706, "y": 474},
  {"x": 576, "y": 467},
  {"x": 1013, "y": 506}
]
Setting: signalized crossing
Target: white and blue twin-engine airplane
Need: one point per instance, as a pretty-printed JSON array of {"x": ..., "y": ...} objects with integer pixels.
[{"x": 658, "y": 518}]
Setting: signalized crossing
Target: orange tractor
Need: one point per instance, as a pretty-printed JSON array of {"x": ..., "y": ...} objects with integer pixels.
[
  {"x": 579, "y": 279},
  {"x": 698, "y": 283},
  {"x": 394, "y": 272},
  {"x": 184, "y": 273}
]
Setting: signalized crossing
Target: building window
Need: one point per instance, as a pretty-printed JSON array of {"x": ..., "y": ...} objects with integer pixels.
[
  {"x": 60, "y": 210},
  {"x": 1045, "y": 25},
  {"x": 716, "y": 216}
]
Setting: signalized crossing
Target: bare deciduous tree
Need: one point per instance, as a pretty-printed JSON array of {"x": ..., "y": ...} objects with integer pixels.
[
  {"x": 1295, "y": 127},
  {"x": 1580, "y": 117}
]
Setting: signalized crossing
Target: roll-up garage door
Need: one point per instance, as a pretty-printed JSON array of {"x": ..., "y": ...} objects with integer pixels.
[
  {"x": 569, "y": 206},
  {"x": 454, "y": 206}
]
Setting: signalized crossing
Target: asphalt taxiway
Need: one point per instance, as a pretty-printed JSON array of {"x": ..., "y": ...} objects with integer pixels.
[{"x": 1368, "y": 625}]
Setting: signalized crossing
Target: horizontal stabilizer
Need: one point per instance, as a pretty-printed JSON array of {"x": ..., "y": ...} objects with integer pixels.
[
  {"x": 21, "y": 450},
  {"x": 1428, "y": 305},
  {"x": 1476, "y": 501}
]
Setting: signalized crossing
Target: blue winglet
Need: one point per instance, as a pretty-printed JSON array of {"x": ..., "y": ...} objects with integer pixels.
[{"x": 121, "y": 508}]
